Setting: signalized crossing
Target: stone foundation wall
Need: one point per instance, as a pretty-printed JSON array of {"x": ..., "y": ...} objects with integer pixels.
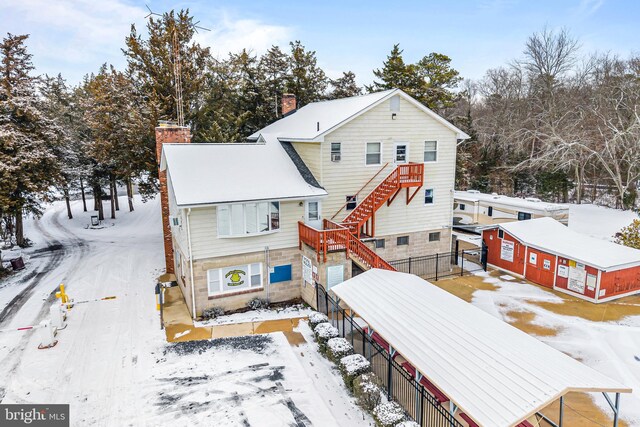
[{"x": 419, "y": 245}]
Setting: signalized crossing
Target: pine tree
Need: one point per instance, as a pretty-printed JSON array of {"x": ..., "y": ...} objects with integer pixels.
[
  {"x": 306, "y": 81},
  {"x": 395, "y": 73},
  {"x": 28, "y": 166},
  {"x": 274, "y": 70},
  {"x": 345, "y": 86}
]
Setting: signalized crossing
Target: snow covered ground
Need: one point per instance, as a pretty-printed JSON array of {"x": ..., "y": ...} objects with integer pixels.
[
  {"x": 260, "y": 315},
  {"x": 612, "y": 348},
  {"x": 112, "y": 363}
]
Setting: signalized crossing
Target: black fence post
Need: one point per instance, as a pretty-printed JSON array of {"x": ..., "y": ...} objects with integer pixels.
[
  {"x": 389, "y": 374},
  {"x": 421, "y": 413},
  {"x": 462, "y": 266},
  {"x": 326, "y": 301},
  {"x": 364, "y": 342},
  {"x": 437, "y": 267},
  {"x": 457, "y": 250},
  {"x": 409, "y": 265},
  {"x": 343, "y": 324},
  {"x": 317, "y": 298}
]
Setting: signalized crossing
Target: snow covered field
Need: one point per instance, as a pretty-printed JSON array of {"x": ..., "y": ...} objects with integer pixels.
[{"x": 112, "y": 363}]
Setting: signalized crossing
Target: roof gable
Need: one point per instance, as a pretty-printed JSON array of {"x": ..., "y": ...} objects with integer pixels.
[{"x": 313, "y": 121}]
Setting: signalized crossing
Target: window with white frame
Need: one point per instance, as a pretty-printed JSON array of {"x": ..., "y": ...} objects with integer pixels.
[
  {"x": 374, "y": 154},
  {"x": 248, "y": 218},
  {"x": 234, "y": 279},
  {"x": 336, "y": 151},
  {"x": 352, "y": 202},
  {"x": 314, "y": 211},
  {"x": 430, "y": 151},
  {"x": 428, "y": 196}
]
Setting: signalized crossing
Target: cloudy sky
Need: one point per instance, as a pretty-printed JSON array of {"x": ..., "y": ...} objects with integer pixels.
[{"x": 74, "y": 37}]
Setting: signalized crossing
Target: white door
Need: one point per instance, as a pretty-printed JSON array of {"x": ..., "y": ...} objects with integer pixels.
[
  {"x": 312, "y": 214},
  {"x": 401, "y": 153}
]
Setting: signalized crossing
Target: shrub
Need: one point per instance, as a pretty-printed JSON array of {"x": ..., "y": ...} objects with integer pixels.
[
  {"x": 337, "y": 348},
  {"x": 408, "y": 423},
  {"x": 212, "y": 313},
  {"x": 388, "y": 414},
  {"x": 324, "y": 332},
  {"x": 366, "y": 389},
  {"x": 352, "y": 366},
  {"x": 257, "y": 303},
  {"x": 316, "y": 318}
]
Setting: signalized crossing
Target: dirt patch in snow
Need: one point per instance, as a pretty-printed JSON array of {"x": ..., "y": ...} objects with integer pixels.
[
  {"x": 524, "y": 320},
  {"x": 605, "y": 312},
  {"x": 464, "y": 287},
  {"x": 580, "y": 410}
]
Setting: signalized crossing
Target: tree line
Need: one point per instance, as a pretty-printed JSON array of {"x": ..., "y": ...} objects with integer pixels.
[{"x": 553, "y": 123}]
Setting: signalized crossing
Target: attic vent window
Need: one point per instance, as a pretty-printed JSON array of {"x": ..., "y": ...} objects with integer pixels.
[{"x": 394, "y": 103}]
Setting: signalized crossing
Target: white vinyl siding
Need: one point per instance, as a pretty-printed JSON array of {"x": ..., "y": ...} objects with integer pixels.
[
  {"x": 349, "y": 175},
  {"x": 206, "y": 244}
]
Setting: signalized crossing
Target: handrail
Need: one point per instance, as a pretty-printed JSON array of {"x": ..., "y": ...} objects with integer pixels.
[{"x": 362, "y": 188}]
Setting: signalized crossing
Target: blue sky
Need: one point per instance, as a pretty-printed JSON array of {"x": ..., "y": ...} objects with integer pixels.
[{"x": 75, "y": 36}]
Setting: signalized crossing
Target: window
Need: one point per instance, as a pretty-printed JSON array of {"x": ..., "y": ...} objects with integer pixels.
[
  {"x": 394, "y": 104},
  {"x": 352, "y": 202},
  {"x": 501, "y": 234},
  {"x": 379, "y": 243},
  {"x": 434, "y": 237},
  {"x": 462, "y": 206},
  {"x": 428, "y": 196},
  {"x": 522, "y": 216},
  {"x": 248, "y": 218},
  {"x": 314, "y": 213},
  {"x": 430, "y": 151},
  {"x": 490, "y": 211},
  {"x": 401, "y": 153},
  {"x": 402, "y": 240},
  {"x": 336, "y": 151},
  {"x": 233, "y": 279},
  {"x": 374, "y": 156}
]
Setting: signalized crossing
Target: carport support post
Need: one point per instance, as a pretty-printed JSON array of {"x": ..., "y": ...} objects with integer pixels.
[
  {"x": 390, "y": 371},
  {"x": 419, "y": 391},
  {"x": 561, "y": 416},
  {"x": 462, "y": 264},
  {"x": 617, "y": 414}
]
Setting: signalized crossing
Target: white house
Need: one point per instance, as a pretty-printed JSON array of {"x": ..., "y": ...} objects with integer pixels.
[{"x": 363, "y": 180}]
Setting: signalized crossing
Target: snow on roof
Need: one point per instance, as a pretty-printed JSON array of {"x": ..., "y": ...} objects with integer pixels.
[
  {"x": 221, "y": 173},
  {"x": 315, "y": 119},
  {"x": 549, "y": 235},
  {"x": 531, "y": 203},
  {"x": 495, "y": 373}
]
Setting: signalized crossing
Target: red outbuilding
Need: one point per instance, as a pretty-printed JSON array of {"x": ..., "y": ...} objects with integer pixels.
[{"x": 550, "y": 254}]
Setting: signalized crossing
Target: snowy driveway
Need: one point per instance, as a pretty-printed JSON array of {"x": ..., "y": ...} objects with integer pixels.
[{"x": 112, "y": 362}]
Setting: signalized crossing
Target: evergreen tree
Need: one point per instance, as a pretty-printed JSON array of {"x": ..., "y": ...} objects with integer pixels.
[
  {"x": 28, "y": 166},
  {"x": 345, "y": 86},
  {"x": 306, "y": 81},
  {"x": 274, "y": 70},
  {"x": 431, "y": 80}
]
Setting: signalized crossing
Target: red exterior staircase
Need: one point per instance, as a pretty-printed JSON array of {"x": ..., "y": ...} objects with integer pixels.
[
  {"x": 363, "y": 216},
  {"x": 346, "y": 236}
]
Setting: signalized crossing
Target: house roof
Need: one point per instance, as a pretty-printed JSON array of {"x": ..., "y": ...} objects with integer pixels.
[
  {"x": 517, "y": 202},
  {"x": 549, "y": 235},
  {"x": 313, "y": 121},
  {"x": 204, "y": 174},
  {"x": 495, "y": 373}
]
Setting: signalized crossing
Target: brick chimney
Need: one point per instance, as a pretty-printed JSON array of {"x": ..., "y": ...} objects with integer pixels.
[
  {"x": 288, "y": 103},
  {"x": 168, "y": 133}
]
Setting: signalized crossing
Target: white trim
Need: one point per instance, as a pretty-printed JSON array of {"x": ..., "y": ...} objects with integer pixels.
[
  {"x": 424, "y": 150},
  {"x": 244, "y": 219},
  {"x": 433, "y": 196},
  {"x": 232, "y": 291},
  {"x": 365, "y": 153},
  {"x": 395, "y": 153}
]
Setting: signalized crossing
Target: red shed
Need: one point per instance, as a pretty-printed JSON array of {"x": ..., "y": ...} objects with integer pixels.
[{"x": 546, "y": 252}]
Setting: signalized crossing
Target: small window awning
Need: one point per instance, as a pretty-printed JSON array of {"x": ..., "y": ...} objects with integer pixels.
[{"x": 493, "y": 372}]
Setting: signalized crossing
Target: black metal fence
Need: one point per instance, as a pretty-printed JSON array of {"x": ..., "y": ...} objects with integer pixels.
[
  {"x": 397, "y": 383},
  {"x": 439, "y": 266}
]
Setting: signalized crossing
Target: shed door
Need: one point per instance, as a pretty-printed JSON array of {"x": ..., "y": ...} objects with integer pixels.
[{"x": 540, "y": 267}]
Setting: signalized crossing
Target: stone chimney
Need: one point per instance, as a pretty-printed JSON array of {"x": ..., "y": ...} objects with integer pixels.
[
  {"x": 168, "y": 133},
  {"x": 288, "y": 103}
]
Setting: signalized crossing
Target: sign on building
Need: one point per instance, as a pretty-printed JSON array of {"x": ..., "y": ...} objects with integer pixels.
[
  {"x": 506, "y": 250},
  {"x": 563, "y": 271},
  {"x": 577, "y": 277},
  {"x": 234, "y": 278},
  {"x": 307, "y": 270}
]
